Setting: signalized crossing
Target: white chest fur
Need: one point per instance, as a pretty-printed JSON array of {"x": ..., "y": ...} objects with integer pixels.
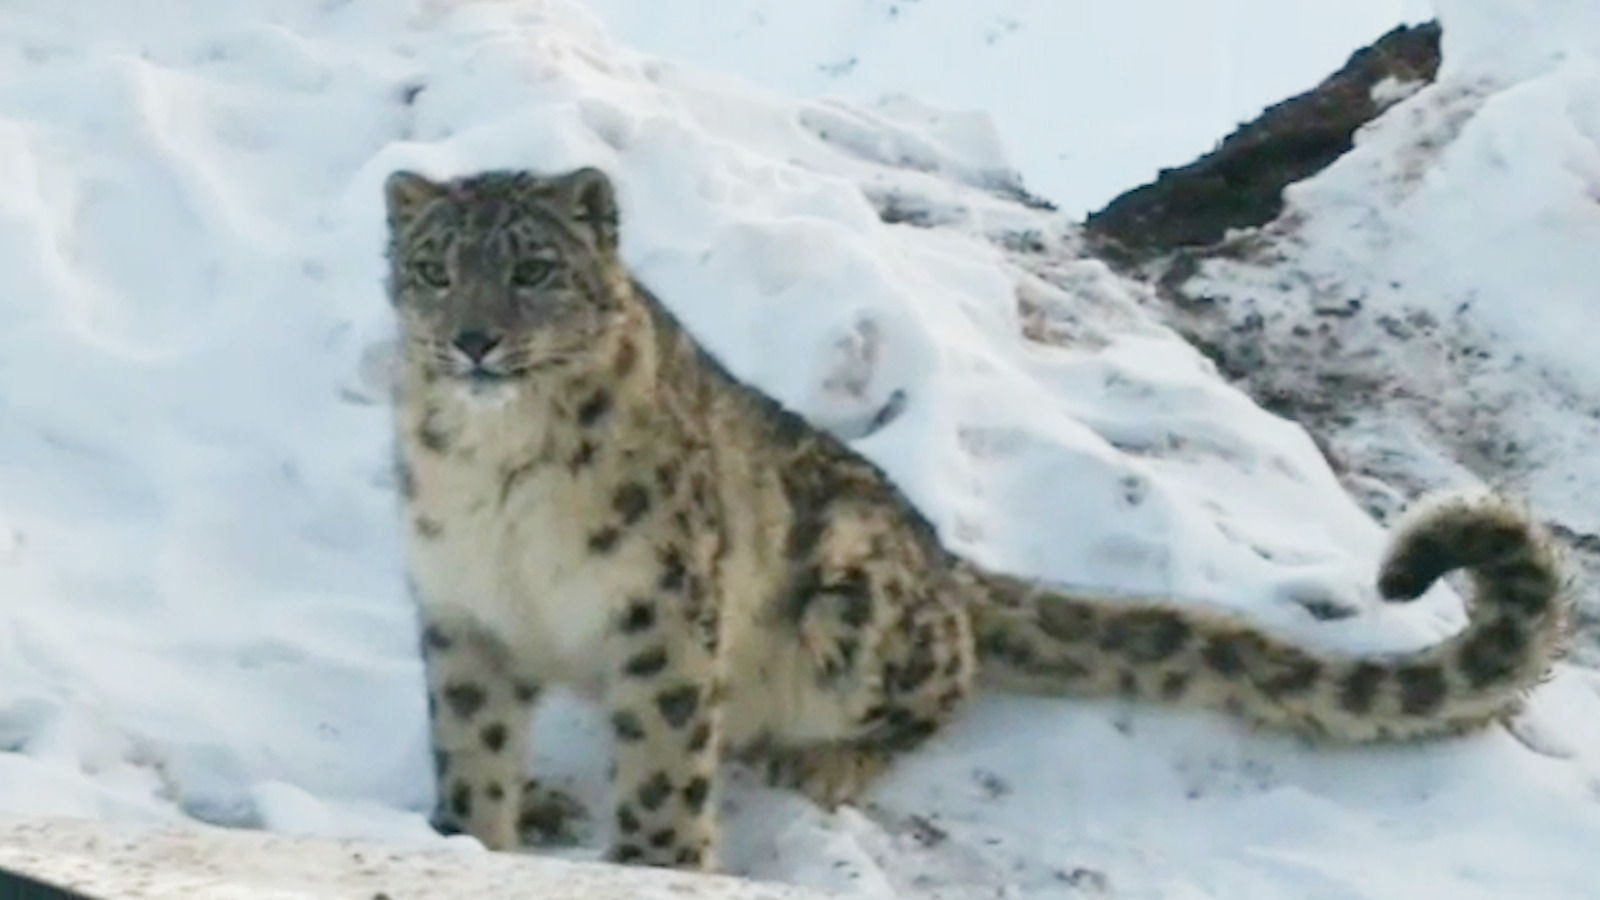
[{"x": 500, "y": 529}]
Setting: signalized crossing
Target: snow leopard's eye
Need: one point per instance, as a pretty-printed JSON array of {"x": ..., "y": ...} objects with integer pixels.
[
  {"x": 432, "y": 273},
  {"x": 530, "y": 273}
]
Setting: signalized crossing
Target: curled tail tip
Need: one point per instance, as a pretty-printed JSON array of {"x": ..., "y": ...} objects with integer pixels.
[{"x": 1446, "y": 532}]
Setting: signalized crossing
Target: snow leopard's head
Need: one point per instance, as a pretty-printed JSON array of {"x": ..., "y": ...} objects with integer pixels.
[{"x": 502, "y": 274}]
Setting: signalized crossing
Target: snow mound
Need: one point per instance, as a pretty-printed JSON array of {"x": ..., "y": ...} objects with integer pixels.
[{"x": 198, "y": 535}]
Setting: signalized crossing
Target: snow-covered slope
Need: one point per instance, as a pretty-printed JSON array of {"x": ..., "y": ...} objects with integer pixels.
[
  {"x": 1430, "y": 299},
  {"x": 204, "y": 614},
  {"x": 1090, "y": 97}
]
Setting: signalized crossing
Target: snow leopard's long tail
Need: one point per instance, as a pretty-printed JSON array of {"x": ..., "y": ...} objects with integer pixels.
[{"x": 1036, "y": 640}]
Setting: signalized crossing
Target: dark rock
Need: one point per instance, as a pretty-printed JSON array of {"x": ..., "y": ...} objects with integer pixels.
[{"x": 1240, "y": 184}]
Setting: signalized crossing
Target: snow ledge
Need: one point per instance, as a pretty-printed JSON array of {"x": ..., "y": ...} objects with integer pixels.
[{"x": 113, "y": 861}]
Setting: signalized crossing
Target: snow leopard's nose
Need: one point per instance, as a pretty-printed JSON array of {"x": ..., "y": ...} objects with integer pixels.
[{"x": 476, "y": 343}]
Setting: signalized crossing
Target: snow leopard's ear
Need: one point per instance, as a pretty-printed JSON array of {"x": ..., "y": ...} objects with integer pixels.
[
  {"x": 589, "y": 198},
  {"x": 406, "y": 193}
]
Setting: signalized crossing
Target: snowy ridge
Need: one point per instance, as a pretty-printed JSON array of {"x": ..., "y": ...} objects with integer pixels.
[
  {"x": 1090, "y": 98},
  {"x": 205, "y": 613}
]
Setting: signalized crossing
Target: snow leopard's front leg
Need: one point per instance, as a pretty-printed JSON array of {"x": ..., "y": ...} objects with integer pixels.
[
  {"x": 663, "y": 700},
  {"x": 479, "y": 715}
]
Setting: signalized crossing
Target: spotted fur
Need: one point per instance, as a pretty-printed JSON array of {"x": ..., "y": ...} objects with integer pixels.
[
  {"x": 1031, "y": 639},
  {"x": 591, "y": 500}
]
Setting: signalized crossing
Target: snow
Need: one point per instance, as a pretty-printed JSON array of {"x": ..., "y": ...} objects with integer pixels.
[
  {"x": 198, "y": 535},
  {"x": 1090, "y": 98},
  {"x": 104, "y": 859},
  {"x": 1462, "y": 227}
]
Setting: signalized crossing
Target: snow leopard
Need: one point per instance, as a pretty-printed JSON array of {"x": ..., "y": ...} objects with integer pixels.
[{"x": 592, "y": 500}]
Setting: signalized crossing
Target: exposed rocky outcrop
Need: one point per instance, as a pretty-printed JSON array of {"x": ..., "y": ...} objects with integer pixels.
[{"x": 1240, "y": 184}]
